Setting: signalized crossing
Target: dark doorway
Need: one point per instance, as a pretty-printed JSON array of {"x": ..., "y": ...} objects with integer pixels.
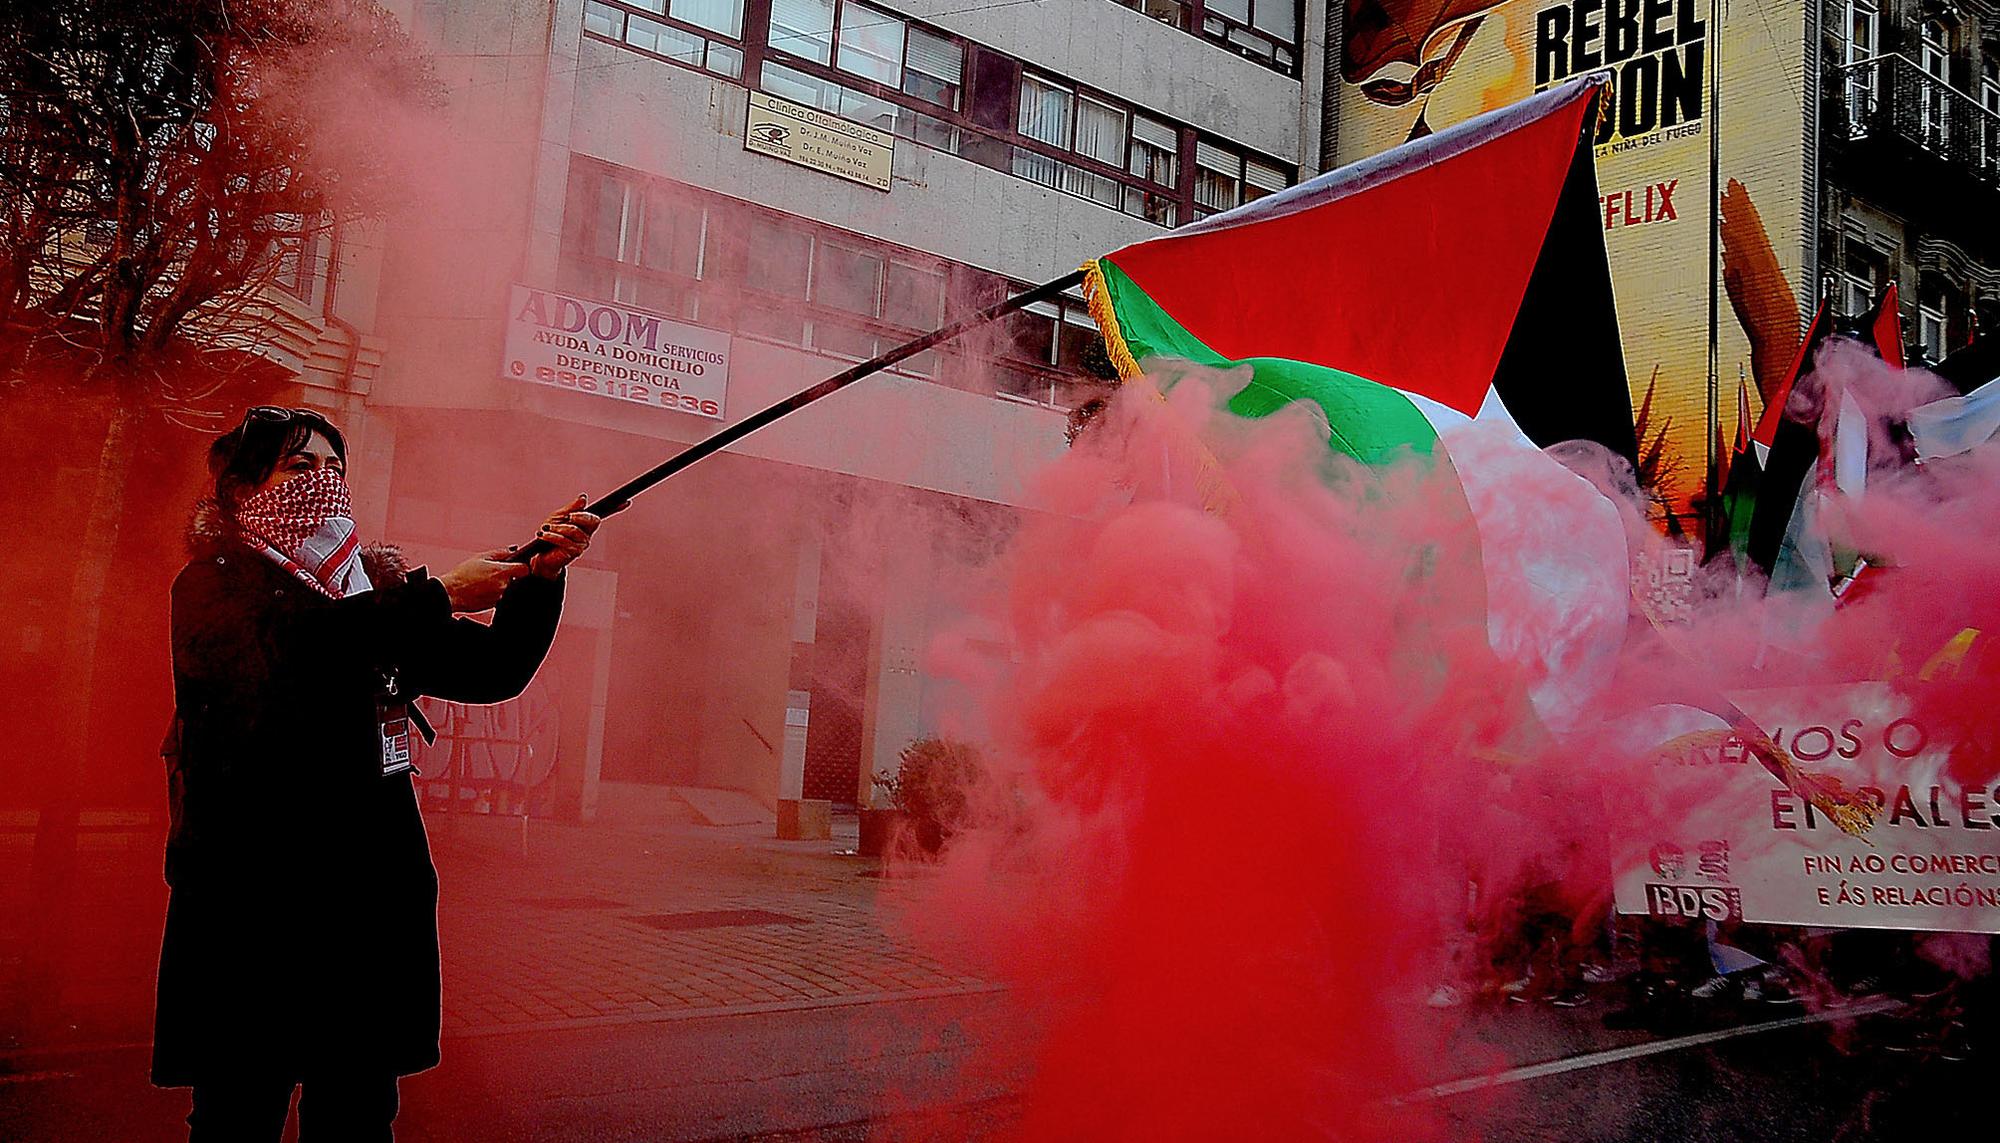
[{"x": 834, "y": 667}]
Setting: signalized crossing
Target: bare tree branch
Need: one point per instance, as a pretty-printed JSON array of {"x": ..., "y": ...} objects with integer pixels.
[{"x": 162, "y": 164}]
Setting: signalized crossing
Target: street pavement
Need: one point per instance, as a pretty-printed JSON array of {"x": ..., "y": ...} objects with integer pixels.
[{"x": 686, "y": 982}]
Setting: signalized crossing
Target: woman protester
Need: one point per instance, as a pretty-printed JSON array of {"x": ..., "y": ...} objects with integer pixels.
[{"x": 301, "y": 942}]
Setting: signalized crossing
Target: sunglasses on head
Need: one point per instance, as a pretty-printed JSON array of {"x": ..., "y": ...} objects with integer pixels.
[
  {"x": 280, "y": 415},
  {"x": 272, "y": 417}
]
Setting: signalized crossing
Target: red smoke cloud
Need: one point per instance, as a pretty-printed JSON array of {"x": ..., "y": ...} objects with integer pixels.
[{"x": 1249, "y": 754}]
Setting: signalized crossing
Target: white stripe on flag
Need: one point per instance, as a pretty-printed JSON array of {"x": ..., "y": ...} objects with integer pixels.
[{"x": 1956, "y": 424}]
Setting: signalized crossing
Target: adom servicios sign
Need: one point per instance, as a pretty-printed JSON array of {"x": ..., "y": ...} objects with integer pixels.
[{"x": 615, "y": 351}]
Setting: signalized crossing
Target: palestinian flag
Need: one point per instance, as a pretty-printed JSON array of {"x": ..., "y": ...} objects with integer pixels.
[
  {"x": 1793, "y": 460},
  {"x": 1739, "y": 489},
  {"x": 1458, "y": 276},
  {"x": 1766, "y": 434}
]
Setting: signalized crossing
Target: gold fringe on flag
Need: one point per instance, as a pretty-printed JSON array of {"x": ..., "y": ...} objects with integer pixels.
[
  {"x": 1098, "y": 298},
  {"x": 1212, "y": 488}
]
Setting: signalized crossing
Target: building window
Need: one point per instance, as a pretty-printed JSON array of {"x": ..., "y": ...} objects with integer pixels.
[
  {"x": 1989, "y": 124},
  {"x": 1932, "y": 308},
  {"x": 933, "y": 68},
  {"x": 1155, "y": 159},
  {"x": 860, "y": 106},
  {"x": 882, "y": 47},
  {"x": 1172, "y": 12},
  {"x": 1045, "y": 111},
  {"x": 1935, "y": 59},
  {"x": 1218, "y": 179},
  {"x": 603, "y": 20},
  {"x": 634, "y": 245},
  {"x": 776, "y": 277},
  {"x": 1861, "y": 269},
  {"x": 1040, "y": 349},
  {"x": 1863, "y": 24},
  {"x": 877, "y": 48},
  {"x": 1264, "y": 30},
  {"x": 299, "y": 243},
  {"x": 1075, "y": 123},
  {"x": 1224, "y": 178},
  {"x": 777, "y": 273},
  {"x": 758, "y": 273},
  {"x": 873, "y": 45},
  {"x": 680, "y": 31},
  {"x": 803, "y": 28}
]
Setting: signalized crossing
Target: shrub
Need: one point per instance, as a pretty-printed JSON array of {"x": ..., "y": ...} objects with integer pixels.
[{"x": 932, "y": 785}]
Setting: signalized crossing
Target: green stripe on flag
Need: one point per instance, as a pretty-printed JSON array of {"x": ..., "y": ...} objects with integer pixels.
[{"x": 1367, "y": 420}]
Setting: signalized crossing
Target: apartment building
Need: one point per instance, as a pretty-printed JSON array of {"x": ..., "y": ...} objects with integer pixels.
[{"x": 742, "y": 197}]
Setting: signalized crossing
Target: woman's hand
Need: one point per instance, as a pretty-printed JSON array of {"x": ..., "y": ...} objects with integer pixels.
[
  {"x": 567, "y": 531},
  {"x": 476, "y": 584}
]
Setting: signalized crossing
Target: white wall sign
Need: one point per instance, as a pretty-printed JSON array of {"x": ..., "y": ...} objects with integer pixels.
[
  {"x": 813, "y": 138},
  {"x": 615, "y": 351}
]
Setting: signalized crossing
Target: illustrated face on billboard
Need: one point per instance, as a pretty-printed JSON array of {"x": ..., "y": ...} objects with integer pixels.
[
  {"x": 1411, "y": 67},
  {"x": 1398, "y": 50}
]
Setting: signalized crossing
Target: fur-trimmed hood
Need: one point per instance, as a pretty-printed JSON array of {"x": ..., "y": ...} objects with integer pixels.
[{"x": 209, "y": 530}]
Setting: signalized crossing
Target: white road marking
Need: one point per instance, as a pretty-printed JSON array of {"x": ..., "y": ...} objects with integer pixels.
[{"x": 1638, "y": 1051}]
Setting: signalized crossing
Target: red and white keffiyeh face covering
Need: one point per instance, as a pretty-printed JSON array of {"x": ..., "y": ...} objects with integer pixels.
[{"x": 307, "y": 526}]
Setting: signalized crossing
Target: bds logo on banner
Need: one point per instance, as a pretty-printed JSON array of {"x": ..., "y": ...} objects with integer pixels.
[{"x": 1701, "y": 903}]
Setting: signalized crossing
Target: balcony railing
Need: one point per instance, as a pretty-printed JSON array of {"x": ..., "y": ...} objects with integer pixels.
[{"x": 1890, "y": 97}]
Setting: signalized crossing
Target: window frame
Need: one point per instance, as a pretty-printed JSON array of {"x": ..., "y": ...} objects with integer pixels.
[
  {"x": 719, "y": 293},
  {"x": 1243, "y": 161},
  {"x": 1863, "y": 269},
  {"x": 1934, "y": 55},
  {"x": 1863, "y": 83},
  {"x": 1050, "y": 377},
  {"x": 1934, "y": 306},
  {"x": 1989, "y": 100},
  {"x": 1217, "y": 28},
  {"x": 628, "y": 9},
  {"x": 1195, "y": 18},
  {"x": 833, "y": 72},
  {"x": 1929, "y": 318}
]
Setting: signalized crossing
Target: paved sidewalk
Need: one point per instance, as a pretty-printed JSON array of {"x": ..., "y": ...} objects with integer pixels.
[
  {"x": 570, "y": 925},
  {"x": 586, "y": 923}
]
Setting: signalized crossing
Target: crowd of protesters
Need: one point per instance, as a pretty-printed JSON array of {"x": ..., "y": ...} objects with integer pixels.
[{"x": 1546, "y": 943}]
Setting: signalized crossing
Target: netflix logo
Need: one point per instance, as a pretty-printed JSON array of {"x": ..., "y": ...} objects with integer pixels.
[{"x": 1641, "y": 207}]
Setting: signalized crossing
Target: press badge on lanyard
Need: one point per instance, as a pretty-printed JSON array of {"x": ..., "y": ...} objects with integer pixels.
[{"x": 394, "y": 723}]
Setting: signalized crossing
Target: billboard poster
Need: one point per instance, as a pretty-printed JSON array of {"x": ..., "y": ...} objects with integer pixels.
[
  {"x": 1411, "y": 67},
  {"x": 1743, "y": 847},
  {"x": 615, "y": 352}
]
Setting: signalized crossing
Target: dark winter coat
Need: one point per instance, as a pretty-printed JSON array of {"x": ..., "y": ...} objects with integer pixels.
[{"x": 302, "y": 925}]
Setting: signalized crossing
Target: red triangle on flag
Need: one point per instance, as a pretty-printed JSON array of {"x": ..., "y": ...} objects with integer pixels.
[{"x": 1887, "y": 328}]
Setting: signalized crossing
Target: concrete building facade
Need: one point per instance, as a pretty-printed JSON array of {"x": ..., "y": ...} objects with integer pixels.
[{"x": 762, "y": 623}]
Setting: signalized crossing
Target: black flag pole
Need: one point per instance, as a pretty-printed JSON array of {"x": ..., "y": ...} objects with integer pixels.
[{"x": 620, "y": 498}]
